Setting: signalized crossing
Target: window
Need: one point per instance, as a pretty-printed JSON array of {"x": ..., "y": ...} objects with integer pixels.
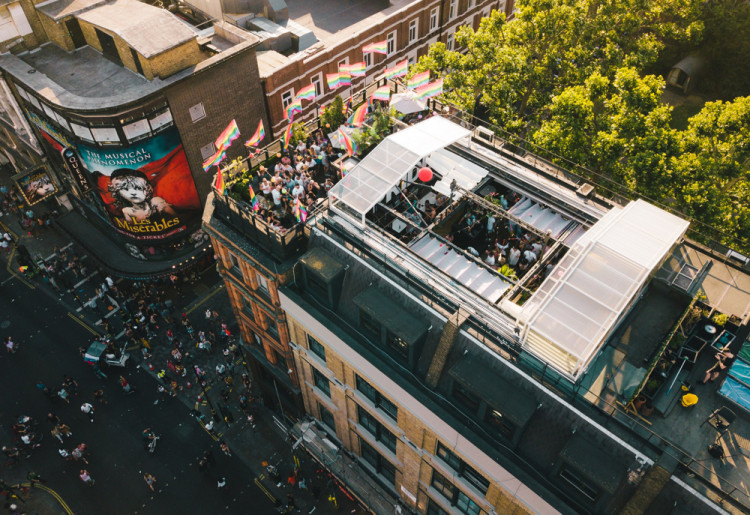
[
  {"x": 433, "y": 19},
  {"x": 470, "y": 4},
  {"x": 434, "y": 509},
  {"x": 327, "y": 417},
  {"x": 413, "y": 30},
  {"x": 235, "y": 262},
  {"x": 272, "y": 327},
  {"x": 381, "y": 465},
  {"x": 469, "y": 401},
  {"x": 463, "y": 470},
  {"x": 379, "y": 401},
  {"x": 316, "y": 348},
  {"x": 207, "y": 151},
  {"x": 466, "y": 505},
  {"x": 84, "y": 133},
  {"x": 287, "y": 98},
  {"x": 457, "y": 498},
  {"x": 321, "y": 382},
  {"x": 136, "y": 130},
  {"x": 262, "y": 285},
  {"x": 398, "y": 345},
  {"x": 376, "y": 429},
  {"x": 368, "y": 60},
  {"x": 317, "y": 81},
  {"x": 280, "y": 360},
  {"x": 497, "y": 421},
  {"x": 343, "y": 62},
  {"x": 105, "y": 135},
  {"x": 449, "y": 42},
  {"x": 369, "y": 324},
  {"x": 391, "y": 42},
  {"x": 160, "y": 119},
  {"x": 579, "y": 483},
  {"x": 197, "y": 112},
  {"x": 247, "y": 308},
  {"x": 452, "y": 10}
]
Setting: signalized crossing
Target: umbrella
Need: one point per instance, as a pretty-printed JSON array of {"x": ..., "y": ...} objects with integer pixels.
[
  {"x": 335, "y": 138},
  {"x": 407, "y": 103}
]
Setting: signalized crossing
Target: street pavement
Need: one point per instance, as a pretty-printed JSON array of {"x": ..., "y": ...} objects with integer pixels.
[{"x": 52, "y": 323}]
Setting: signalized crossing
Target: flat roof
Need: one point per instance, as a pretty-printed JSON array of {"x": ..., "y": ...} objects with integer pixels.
[
  {"x": 327, "y": 17},
  {"x": 63, "y": 8},
  {"x": 391, "y": 314},
  {"x": 148, "y": 29}
]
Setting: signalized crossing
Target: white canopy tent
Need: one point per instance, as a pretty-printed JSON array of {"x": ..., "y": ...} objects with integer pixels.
[
  {"x": 568, "y": 319},
  {"x": 391, "y": 162}
]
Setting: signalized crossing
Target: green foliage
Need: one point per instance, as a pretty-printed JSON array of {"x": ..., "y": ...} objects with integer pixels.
[
  {"x": 379, "y": 127},
  {"x": 726, "y": 46},
  {"x": 333, "y": 116},
  {"x": 298, "y": 134},
  {"x": 720, "y": 319},
  {"x": 508, "y": 272}
]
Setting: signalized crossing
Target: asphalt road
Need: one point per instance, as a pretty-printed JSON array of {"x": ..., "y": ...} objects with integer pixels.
[{"x": 49, "y": 339}]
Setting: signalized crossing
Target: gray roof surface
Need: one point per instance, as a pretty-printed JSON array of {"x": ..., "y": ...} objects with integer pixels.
[
  {"x": 148, "y": 29},
  {"x": 391, "y": 314},
  {"x": 63, "y": 8},
  {"x": 599, "y": 467},
  {"x": 473, "y": 372},
  {"x": 322, "y": 263}
]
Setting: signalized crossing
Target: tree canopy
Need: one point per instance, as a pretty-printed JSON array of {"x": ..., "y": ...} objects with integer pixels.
[{"x": 570, "y": 77}]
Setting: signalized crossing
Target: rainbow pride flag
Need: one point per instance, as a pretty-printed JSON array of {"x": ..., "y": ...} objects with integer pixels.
[
  {"x": 345, "y": 79},
  {"x": 349, "y": 143},
  {"x": 430, "y": 90},
  {"x": 357, "y": 119},
  {"x": 358, "y": 69},
  {"x": 301, "y": 211},
  {"x": 219, "y": 183},
  {"x": 253, "y": 199},
  {"x": 333, "y": 80},
  {"x": 381, "y": 47},
  {"x": 397, "y": 71},
  {"x": 294, "y": 107},
  {"x": 231, "y": 133},
  {"x": 215, "y": 159},
  {"x": 419, "y": 79},
  {"x": 383, "y": 93},
  {"x": 287, "y": 137},
  {"x": 306, "y": 93},
  {"x": 256, "y": 138}
]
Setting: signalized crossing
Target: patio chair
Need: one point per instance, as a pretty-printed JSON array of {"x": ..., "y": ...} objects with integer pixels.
[{"x": 721, "y": 419}]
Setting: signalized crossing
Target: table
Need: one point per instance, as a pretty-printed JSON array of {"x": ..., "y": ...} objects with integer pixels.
[{"x": 398, "y": 226}]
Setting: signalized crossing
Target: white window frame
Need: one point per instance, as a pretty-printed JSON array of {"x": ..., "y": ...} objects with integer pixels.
[
  {"x": 470, "y": 4},
  {"x": 434, "y": 18},
  {"x": 317, "y": 82},
  {"x": 287, "y": 97},
  {"x": 197, "y": 112},
  {"x": 413, "y": 30},
  {"x": 368, "y": 60},
  {"x": 392, "y": 42},
  {"x": 450, "y": 41},
  {"x": 453, "y": 9},
  {"x": 263, "y": 284}
]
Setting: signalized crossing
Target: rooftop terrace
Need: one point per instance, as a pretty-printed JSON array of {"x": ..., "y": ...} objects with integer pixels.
[{"x": 325, "y": 18}]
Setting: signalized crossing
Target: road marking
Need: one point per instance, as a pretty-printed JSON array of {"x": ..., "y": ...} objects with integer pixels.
[
  {"x": 204, "y": 299},
  {"x": 13, "y": 273},
  {"x": 264, "y": 490},
  {"x": 54, "y": 494},
  {"x": 82, "y": 323}
]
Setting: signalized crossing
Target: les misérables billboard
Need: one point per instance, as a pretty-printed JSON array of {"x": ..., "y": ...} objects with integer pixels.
[{"x": 147, "y": 187}]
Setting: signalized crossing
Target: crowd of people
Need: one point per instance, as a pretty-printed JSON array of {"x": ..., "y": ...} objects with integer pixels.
[
  {"x": 500, "y": 242},
  {"x": 300, "y": 176}
]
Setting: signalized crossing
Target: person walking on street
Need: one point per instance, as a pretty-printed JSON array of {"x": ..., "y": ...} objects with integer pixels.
[
  {"x": 86, "y": 477},
  {"x": 150, "y": 480},
  {"x": 225, "y": 449},
  {"x": 88, "y": 409},
  {"x": 221, "y": 483},
  {"x": 34, "y": 479},
  {"x": 64, "y": 430},
  {"x": 99, "y": 396}
]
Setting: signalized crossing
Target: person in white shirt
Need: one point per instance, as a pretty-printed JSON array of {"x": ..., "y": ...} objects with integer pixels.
[
  {"x": 276, "y": 194},
  {"x": 529, "y": 255},
  {"x": 490, "y": 259},
  {"x": 536, "y": 247},
  {"x": 490, "y": 223},
  {"x": 513, "y": 256},
  {"x": 298, "y": 189}
]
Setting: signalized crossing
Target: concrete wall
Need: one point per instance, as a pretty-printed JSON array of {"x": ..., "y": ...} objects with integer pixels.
[{"x": 57, "y": 33}]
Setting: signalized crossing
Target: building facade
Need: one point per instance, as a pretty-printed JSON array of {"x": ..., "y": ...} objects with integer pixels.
[
  {"x": 124, "y": 94},
  {"x": 433, "y": 380}
]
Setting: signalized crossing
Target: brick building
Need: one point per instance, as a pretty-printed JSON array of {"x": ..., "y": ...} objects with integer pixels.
[
  {"x": 123, "y": 85},
  {"x": 302, "y": 41},
  {"x": 433, "y": 379}
]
